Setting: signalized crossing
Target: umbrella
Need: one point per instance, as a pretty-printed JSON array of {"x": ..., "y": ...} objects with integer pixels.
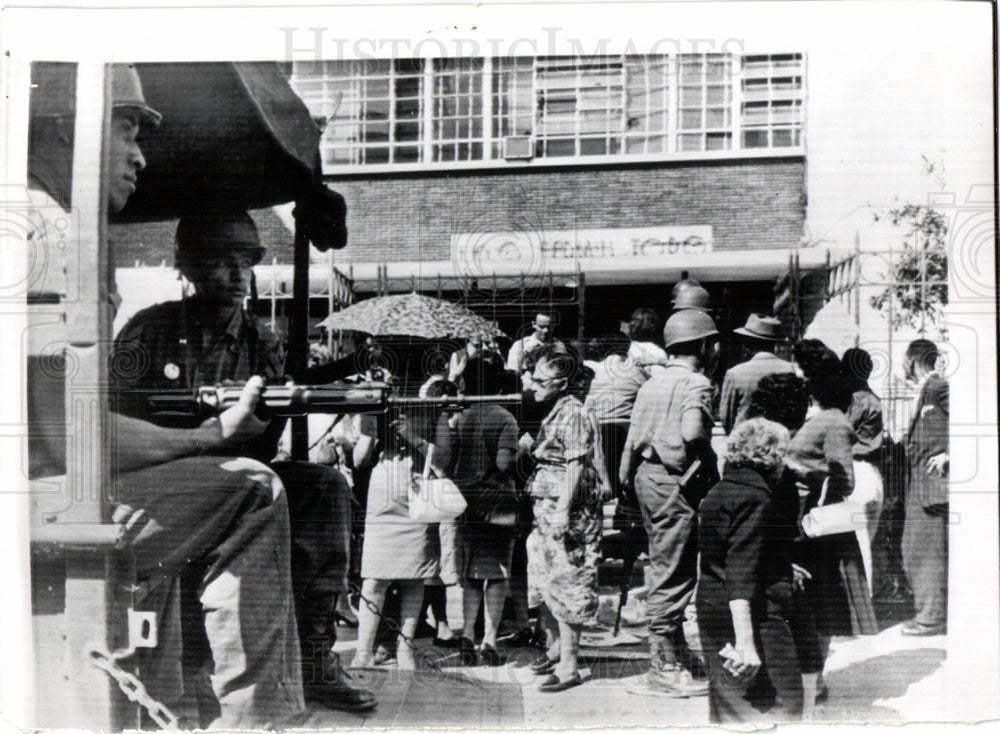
[{"x": 412, "y": 315}]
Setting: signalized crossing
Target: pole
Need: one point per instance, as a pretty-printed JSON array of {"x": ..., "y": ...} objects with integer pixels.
[{"x": 298, "y": 335}]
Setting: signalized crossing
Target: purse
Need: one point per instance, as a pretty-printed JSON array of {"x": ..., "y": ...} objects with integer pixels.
[
  {"x": 434, "y": 499},
  {"x": 851, "y": 515},
  {"x": 497, "y": 506}
]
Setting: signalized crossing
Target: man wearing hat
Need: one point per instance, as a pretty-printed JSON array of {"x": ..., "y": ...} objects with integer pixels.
[
  {"x": 759, "y": 337},
  {"x": 210, "y": 338},
  {"x": 668, "y": 458}
]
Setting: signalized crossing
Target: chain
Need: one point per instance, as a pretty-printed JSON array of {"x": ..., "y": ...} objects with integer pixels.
[
  {"x": 133, "y": 688},
  {"x": 393, "y": 627}
]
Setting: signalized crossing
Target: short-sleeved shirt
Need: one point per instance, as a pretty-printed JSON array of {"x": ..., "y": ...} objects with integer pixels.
[
  {"x": 167, "y": 347},
  {"x": 821, "y": 450},
  {"x": 481, "y": 432},
  {"x": 613, "y": 390},
  {"x": 740, "y": 383},
  {"x": 568, "y": 433},
  {"x": 523, "y": 347},
  {"x": 655, "y": 428}
]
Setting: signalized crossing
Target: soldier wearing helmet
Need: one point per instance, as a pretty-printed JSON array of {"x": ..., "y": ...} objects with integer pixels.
[
  {"x": 689, "y": 294},
  {"x": 210, "y": 338},
  {"x": 759, "y": 337},
  {"x": 669, "y": 459}
]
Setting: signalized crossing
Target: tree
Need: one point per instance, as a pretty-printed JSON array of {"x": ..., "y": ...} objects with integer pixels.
[{"x": 918, "y": 278}]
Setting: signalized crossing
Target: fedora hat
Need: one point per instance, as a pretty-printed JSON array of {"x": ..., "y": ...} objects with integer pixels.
[{"x": 758, "y": 326}]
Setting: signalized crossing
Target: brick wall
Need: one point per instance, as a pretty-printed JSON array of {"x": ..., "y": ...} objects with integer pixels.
[{"x": 749, "y": 204}]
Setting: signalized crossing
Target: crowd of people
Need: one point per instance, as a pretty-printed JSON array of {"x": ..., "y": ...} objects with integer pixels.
[{"x": 750, "y": 544}]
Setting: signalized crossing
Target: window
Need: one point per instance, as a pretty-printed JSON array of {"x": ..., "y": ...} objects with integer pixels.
[
  {"x": 490, "y": 111},
  {"x": 771, "y": 111}
]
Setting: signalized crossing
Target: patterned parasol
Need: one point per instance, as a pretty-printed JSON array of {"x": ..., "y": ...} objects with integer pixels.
[{"x": 412, "y": 315}]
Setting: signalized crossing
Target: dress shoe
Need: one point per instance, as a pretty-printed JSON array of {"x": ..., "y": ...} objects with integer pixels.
[
  {"x": 526, "y": 637},
  {"x": 335, "y": 692},
  {"x": 450, "y": 643},
  {"x": 543, "y": 665},
  {"x": 489, "y": 656},
  {"x": 467, "y": 652},
  {"x": 913, "y": 628},
  {"x": 554, "y": 684}
]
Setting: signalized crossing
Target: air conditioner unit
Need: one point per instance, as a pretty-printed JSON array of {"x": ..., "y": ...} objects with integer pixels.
[{"x": 518, "y": 147}]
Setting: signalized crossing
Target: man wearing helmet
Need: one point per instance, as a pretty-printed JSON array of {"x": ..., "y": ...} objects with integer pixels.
[
  {"x": 669, "y": 459},
  {"x": 210, "y": 338}
]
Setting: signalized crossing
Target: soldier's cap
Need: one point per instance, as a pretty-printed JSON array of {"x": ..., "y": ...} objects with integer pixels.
[
  {"x": 211, "y": 233},
  {"x": 53, "y": 91},
  {"x": 126, "y": 94}
]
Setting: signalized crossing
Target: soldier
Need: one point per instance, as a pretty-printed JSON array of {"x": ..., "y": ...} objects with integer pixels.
[
  {"x": 760, "y": 335},
  {"x": 669, "y": 458},
  {"x": 210, "y": 338}
]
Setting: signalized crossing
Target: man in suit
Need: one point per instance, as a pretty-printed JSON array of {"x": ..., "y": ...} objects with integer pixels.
[
  {"x": 759, "y": 337},
  {"x": 925, "y": 531}
]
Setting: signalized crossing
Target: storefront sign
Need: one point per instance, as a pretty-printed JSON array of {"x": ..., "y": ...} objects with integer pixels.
[{"x": 580, "y": 244}]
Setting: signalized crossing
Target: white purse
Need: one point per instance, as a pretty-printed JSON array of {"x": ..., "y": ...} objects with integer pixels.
[
  {"x": 434, "y": 499},
  {"x": 851, "y": 515}
]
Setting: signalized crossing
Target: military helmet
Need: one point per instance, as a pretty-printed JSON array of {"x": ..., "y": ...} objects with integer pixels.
[
  {"x": 203, "y": 234},
  {"x": 688, "y": 326},
  {"x": 692, "y": 297},
  {"x": 53, "y": 91}
]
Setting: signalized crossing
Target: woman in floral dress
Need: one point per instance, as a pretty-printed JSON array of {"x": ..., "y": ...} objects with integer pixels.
[{"x": 564, "y": 547}]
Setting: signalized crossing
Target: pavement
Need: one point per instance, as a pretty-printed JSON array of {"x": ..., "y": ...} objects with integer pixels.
[{"x": 880, "y": 678}]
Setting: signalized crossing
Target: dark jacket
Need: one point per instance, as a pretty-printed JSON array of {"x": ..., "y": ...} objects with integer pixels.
[{"x": 928, "y": 437}]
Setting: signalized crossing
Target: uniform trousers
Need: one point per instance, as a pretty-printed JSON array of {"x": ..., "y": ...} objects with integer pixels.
[
  {"x": 225, "y": 523},
  {"x": 671, "y": 525}
]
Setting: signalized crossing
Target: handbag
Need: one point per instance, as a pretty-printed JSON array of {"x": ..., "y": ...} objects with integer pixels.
[
  {"x": 851, "y": 515},
  {"x": 497, "y": 506},
  {"x": 434, "y": 499}
]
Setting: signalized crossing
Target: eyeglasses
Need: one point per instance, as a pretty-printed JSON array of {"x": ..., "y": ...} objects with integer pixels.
[{"x": 543, "y": 381}]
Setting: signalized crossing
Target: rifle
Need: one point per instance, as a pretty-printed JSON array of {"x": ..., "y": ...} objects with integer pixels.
[
  {"x": 276, "y": 401},
  {"x": 288, "y": 401}
]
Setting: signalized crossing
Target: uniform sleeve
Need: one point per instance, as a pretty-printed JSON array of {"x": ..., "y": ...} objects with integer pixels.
[
  {"x": 128, "y": 355},
  {"x": 699, "y": 397},
  {"x": 748, "y": 519}
]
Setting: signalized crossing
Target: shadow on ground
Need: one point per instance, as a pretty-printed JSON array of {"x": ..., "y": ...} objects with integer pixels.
[
  {"x": 427, "y": 699},
  {"x": 855, "y": 688}
]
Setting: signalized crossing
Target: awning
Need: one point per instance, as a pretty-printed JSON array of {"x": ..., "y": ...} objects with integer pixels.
[
  {"x": 724, "y": 265},
  {"x": 234, "y": 135}
]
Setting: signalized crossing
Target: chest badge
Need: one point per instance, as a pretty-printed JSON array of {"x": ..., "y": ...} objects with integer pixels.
[{"x": 172, "y": 371}]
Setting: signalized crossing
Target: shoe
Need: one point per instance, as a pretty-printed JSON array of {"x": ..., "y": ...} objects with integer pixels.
[
  {"x": 335, "y": 692},
  {"x": 424, "y": 631},
  {"x": 675, "y": 682},
  {"x": 383, "y": 656},
  {"x": 822, "y": 694},
  {"x": 488, "y": 655},
  {"x": 522, "y": 638},
  {"x": 451, "y": 643},
  {"x": 913, "y": 628},
  {"x": 467, "y": 652},
  {"x": 553, "y": 684},
  {"x": 543, "y": 665}
]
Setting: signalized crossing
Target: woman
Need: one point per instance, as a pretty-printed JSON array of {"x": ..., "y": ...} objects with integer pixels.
[
  {"x": 564, "y": 546},
  {"x": 746, "y": 526},
  {"x": 395, "y": 548},
  {"x": 484, "y": 451},
  {"x": 820, "y": 459}
]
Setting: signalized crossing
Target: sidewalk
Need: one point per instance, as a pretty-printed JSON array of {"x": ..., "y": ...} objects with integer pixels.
[{"x": 886, "y": 677}]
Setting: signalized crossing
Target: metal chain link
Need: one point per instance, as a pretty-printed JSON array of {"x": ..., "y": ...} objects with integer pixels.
[
  {"x": 418, "y": 654},
  {"x": 133, "y": 688}
]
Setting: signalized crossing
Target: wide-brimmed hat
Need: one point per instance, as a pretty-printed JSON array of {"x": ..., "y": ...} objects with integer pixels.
[{"x": 758, "y": 326}]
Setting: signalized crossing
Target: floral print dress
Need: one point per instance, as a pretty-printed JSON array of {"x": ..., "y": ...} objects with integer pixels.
[{"x": 562, "y": 560}]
